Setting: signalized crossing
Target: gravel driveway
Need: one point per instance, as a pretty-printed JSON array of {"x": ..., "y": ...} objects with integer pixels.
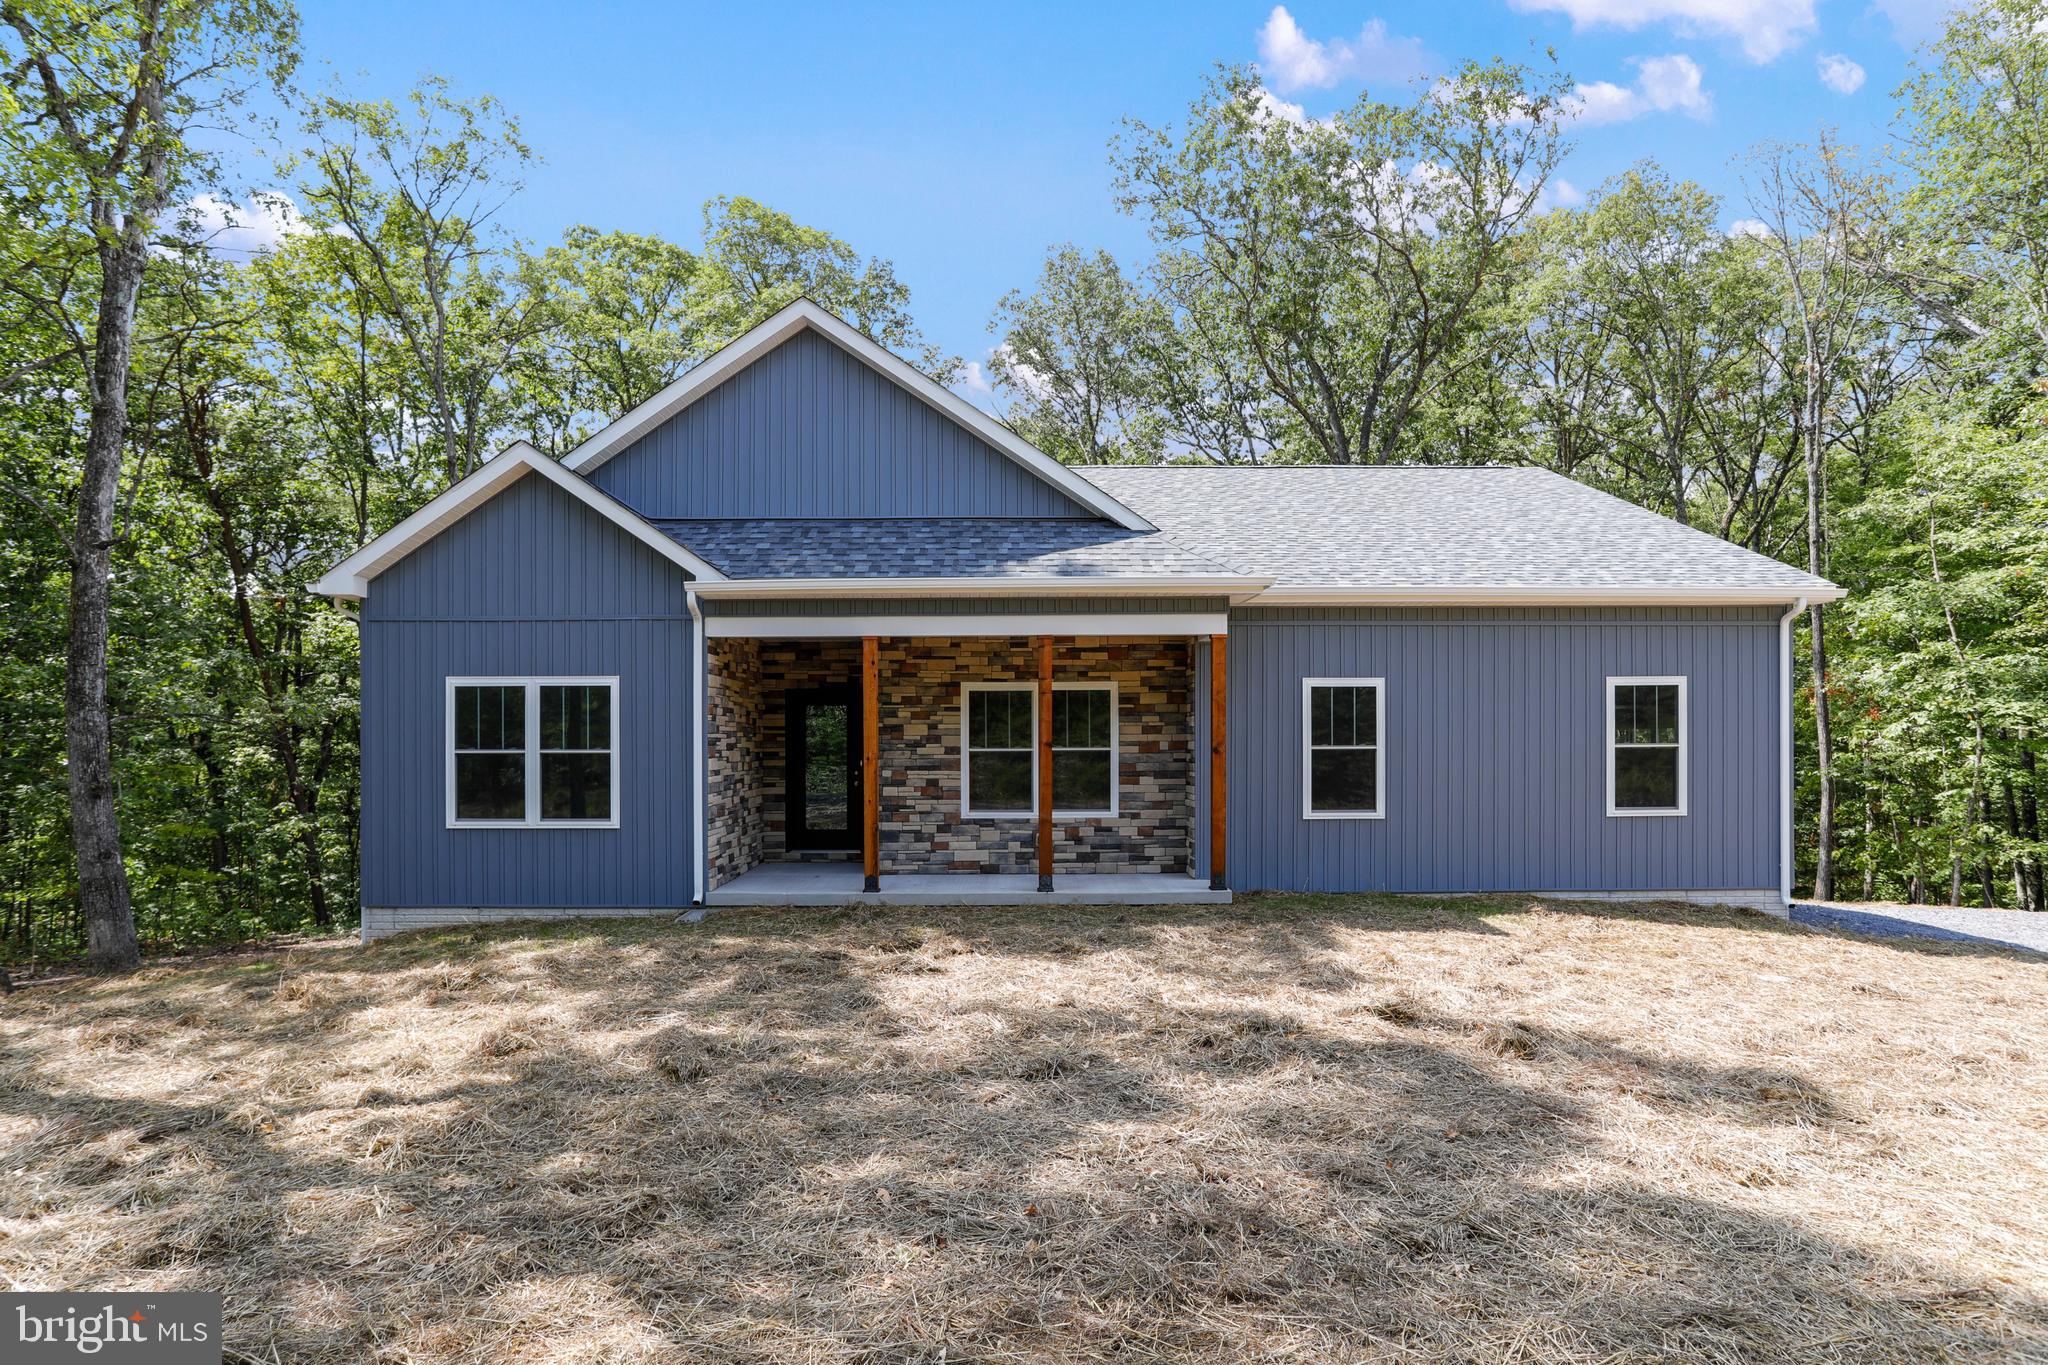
[{"x": 2010, "y": 928}]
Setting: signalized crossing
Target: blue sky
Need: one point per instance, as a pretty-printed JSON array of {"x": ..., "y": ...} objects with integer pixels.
[{"x": 961, "y": 141}]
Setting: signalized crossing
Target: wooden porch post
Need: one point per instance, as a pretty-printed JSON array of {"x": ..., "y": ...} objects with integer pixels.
[
  {"x": 1045, "y": 763},
  {"x": 870, "y": 765},
  {"x": 1219, "y": 766}
]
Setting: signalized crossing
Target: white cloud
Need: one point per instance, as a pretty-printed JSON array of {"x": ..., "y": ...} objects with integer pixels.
[
  {"x": 1917, "y": 21},
  {"x": 1291, "y": 60},
  {"x": 1599, "y": 102},
  {"x": 1271, "y": 106},
  {"x": 1018, "y": 377},
  {"x": 1673, "y": 82},
  {"x": 974, "y": 379},
  {"x": 1765, "y": 28},
  {"x": 1750, "y": 227},
  {"x": 1663, "y": 85},
  {"x": 230, "y": 229},
  {"x": 1839, "y": 74},
  {"x": 1560, "y": 193}
]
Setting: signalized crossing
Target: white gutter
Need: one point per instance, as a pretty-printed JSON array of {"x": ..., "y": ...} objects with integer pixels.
[
  {"x": 698, "y": 739},
  {"x": 1785, "y": 787},
  {"x": 1521, "y": 594},
  {"x": 1256, "y": 592}
]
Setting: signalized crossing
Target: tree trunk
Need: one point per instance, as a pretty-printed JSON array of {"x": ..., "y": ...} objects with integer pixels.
[
  {"x": 2030, "y": 827},
  {"x": 88, "y": 726},
  {"x": 1917, "y": 891},
  {"x": 1824, "y": 755},
  {"x": 1674, "y": 461},
  {"x": 1816, "y": 564},
  {"x": 1869, "y": 826}
]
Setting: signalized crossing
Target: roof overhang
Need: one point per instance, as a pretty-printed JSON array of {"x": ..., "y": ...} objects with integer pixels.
[
  {"x": 350, "y": 579},
  {"x": 804, "y": 314},
  {"x": 1538, "y": 595},
  {"x": 1233, "y": 586}
]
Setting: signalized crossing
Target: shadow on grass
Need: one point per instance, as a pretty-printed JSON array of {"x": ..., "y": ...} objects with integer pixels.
[{"x": 1147, "y": 1135}]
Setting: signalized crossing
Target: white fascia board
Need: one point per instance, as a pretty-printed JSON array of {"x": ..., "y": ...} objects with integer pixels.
[
  {"x": 1050, "y": 585},
  {"x": 737, "y": 354},
  {"x": 1532, "y": 596},
  {"x": 988, "y": 626},
  {"x": 351, "y": 577}
]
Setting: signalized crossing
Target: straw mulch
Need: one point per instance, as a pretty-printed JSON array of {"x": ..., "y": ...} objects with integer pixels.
[{"x": 1300, "y": 1128}]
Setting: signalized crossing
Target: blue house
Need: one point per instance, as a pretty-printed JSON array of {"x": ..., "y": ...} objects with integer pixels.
[{"x": 807, "y": 628}]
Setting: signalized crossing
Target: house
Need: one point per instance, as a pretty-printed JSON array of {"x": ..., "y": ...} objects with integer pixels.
[{"x": 806, "y": 628}]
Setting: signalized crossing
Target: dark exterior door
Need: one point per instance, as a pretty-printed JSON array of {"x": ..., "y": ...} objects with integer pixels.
[{"x": 823, "y": 792}]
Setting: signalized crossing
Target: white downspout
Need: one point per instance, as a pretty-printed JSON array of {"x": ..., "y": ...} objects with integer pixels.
[
  {"x": 1785, "y": 786},
  {"x": 698, "y": 691}
]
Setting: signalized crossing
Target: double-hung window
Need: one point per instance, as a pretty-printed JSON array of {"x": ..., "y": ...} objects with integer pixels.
[
  {"x": 1646, "y": 745},
  {"x": 999, "y": 749},
  {"x": 1343, "y": 776},
  {"x": 533, "y": 751}
]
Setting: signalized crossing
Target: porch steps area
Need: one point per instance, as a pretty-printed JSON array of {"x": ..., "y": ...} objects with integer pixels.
[{"x": 840, "y": 884}]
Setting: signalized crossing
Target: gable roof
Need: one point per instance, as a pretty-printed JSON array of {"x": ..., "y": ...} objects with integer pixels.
[
  {"x": 736, "y": 355},
  {"x": 1444, "y": 534},
  {"x": 351, "y": 577}
]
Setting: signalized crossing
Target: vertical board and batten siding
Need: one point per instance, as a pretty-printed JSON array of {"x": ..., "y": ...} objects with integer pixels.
[
  {"x": 1493, "y": 737},
  {"x": 808, "y": 430},
  {"x": 531, "y": 584}
]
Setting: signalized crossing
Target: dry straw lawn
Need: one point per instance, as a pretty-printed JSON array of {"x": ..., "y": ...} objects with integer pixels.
[{"x": 1313, "y": 1129}]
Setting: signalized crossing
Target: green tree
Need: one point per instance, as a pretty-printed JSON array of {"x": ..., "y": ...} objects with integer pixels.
[
  {"x": 1971, "y": 246},
  {"x": 757, "y": 260},
  {"x": 1072, "y": 358},
  {"x": 1946, "y": 659},
  {"x": 1817, "y": 209},
  {"x": 1346, "y": 261},
  {"x": 402, "y": 200},
  {"x": 100, "y": 103},
  {"x": 626, "y": 320}
]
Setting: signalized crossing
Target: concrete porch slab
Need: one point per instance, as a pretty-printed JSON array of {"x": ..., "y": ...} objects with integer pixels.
[{"x": 840, "y": 883}]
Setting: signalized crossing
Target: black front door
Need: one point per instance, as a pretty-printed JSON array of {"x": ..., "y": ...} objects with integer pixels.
[{"x": 823, "y": 792}]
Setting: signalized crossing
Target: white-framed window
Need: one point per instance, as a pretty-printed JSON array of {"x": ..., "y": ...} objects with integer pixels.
[
  {"x": 533, "y": 751},
  {"x": 1646, "y": 746},
  {"x": 1343, "y": 772},
  {"x": 999, "y": 749}
]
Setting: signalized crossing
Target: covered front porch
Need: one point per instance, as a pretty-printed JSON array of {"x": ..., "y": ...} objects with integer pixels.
[{"x": 973, "y": 767}]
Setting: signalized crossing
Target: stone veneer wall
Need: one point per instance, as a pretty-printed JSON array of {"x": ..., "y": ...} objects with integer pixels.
[
  {"x": 920, "y": 688},
  {"x": 732, "y": 770},
  {"x": 922, "y": 828}
]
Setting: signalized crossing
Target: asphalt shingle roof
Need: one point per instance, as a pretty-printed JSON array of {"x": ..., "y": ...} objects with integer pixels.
[
  {"x": 1402, "y": 527},
  {"x": 937, "y": 547}
]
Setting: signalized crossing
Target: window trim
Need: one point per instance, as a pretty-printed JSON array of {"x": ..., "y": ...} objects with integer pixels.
[
  {"x": 1378, "y": 746},
  {"x": 1684, "y": 745},
  {"x": 1116, "y": 725},
  {"x": 532, "y": 684}
]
